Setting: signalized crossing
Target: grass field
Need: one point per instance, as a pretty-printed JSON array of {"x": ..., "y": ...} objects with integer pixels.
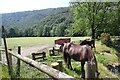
[
  {"x": 30, "y": 41},
  {"x": 102, "y": 57}
]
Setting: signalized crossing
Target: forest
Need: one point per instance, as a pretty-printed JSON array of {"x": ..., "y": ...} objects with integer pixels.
[{"x": 79, "y": 19}]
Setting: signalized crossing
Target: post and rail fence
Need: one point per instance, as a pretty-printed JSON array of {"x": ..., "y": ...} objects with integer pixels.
[{"x": 53, "y": 73}]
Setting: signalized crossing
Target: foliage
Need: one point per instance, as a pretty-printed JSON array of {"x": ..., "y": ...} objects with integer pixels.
[
  {"x": 105, "y": 39},
  {"x": 94, "y": 18}
]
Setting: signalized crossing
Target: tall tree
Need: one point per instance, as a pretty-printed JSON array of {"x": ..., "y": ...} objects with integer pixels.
[
  {"x": 53, "y": 31},
  {"x": 93, "y": 16},
  {"x": 12, "y": 32},
  {"x": 28, "y": 32},
  {"x": 60, "y": 30},
  {"x": 46, "y": 31}
]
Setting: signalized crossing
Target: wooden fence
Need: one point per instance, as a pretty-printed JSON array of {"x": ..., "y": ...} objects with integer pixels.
[
  {"x": 42, "y": 67},
  {"x": 55, "y": 74}
]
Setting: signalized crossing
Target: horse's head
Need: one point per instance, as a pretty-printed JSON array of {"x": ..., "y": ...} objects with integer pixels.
[
  {"x": 83, "y": 42},
  {"x": 88, "y": 42}
]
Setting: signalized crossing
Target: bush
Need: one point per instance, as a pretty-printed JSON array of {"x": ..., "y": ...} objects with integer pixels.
[{"x": 105, "y": 39}]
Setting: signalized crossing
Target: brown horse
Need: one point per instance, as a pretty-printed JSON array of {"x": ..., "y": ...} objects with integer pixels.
[
  {"x": 78, "y": 53},
  {"x": 88, "y": 42}
]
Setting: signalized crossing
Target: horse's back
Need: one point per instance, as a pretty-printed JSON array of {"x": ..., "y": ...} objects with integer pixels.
[{"x": 77, "y": 52}]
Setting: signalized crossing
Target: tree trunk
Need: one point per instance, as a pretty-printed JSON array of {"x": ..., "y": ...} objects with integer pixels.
[
  {"x": 93, "y": 33},
  {"x": 93, "y": 25}
]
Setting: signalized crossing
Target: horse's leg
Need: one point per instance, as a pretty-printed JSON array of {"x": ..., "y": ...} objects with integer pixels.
[
  {"x": 82, "y": 69},
  {"x": 66, "y": 59},
  {"x": 69, "y": 62}
]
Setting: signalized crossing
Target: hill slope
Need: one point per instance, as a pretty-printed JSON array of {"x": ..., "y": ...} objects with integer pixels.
[
  {"x": 31, "y": 18},
  {"x": 37, "y": 22}
]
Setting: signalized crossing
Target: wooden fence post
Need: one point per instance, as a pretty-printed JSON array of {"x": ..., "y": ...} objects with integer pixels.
[
  {"x": 18, "y": 62},
  {"x": 7, "y": 54},
  {"x": 90, "y": 70},
  {"x": 93, "y": 69},
  {"x": 11, "y": 66}
]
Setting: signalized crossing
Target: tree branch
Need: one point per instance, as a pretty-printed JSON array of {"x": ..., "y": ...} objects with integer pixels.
[
  {"x": 105, "y": 10},
  {"x": 97, "y": 8},
  {"x": 89, "y": 17}
]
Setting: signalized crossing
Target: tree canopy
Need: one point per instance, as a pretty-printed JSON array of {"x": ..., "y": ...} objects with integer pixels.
[{"x": 94, "y": 18}]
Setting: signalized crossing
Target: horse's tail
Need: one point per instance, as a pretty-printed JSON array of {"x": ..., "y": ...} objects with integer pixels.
[
  {"x": 65, "y": 55},
  {"x": 64, "y": 52}
]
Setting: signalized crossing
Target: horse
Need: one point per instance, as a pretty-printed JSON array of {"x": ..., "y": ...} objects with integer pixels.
[
  {"x": 80, "y": 53},
  {"x": 88, "y": 42}
]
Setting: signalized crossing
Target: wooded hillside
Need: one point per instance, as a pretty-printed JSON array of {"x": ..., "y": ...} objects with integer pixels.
[{"x": 47, "y": 22}]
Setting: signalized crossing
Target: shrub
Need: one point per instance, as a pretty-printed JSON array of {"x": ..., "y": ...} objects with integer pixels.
[{"x": 105, "y": 39}]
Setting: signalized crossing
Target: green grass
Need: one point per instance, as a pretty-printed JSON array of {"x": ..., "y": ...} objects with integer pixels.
[
  {"x": 3, "y": 72},
  {"x": 103, "y": 48},
  {"x": 103, "y": 58},
  {"x": 106, "y": 58}
]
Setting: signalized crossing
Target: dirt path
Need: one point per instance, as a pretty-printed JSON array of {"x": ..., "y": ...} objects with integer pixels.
[{"x": 26, "y": 51}]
